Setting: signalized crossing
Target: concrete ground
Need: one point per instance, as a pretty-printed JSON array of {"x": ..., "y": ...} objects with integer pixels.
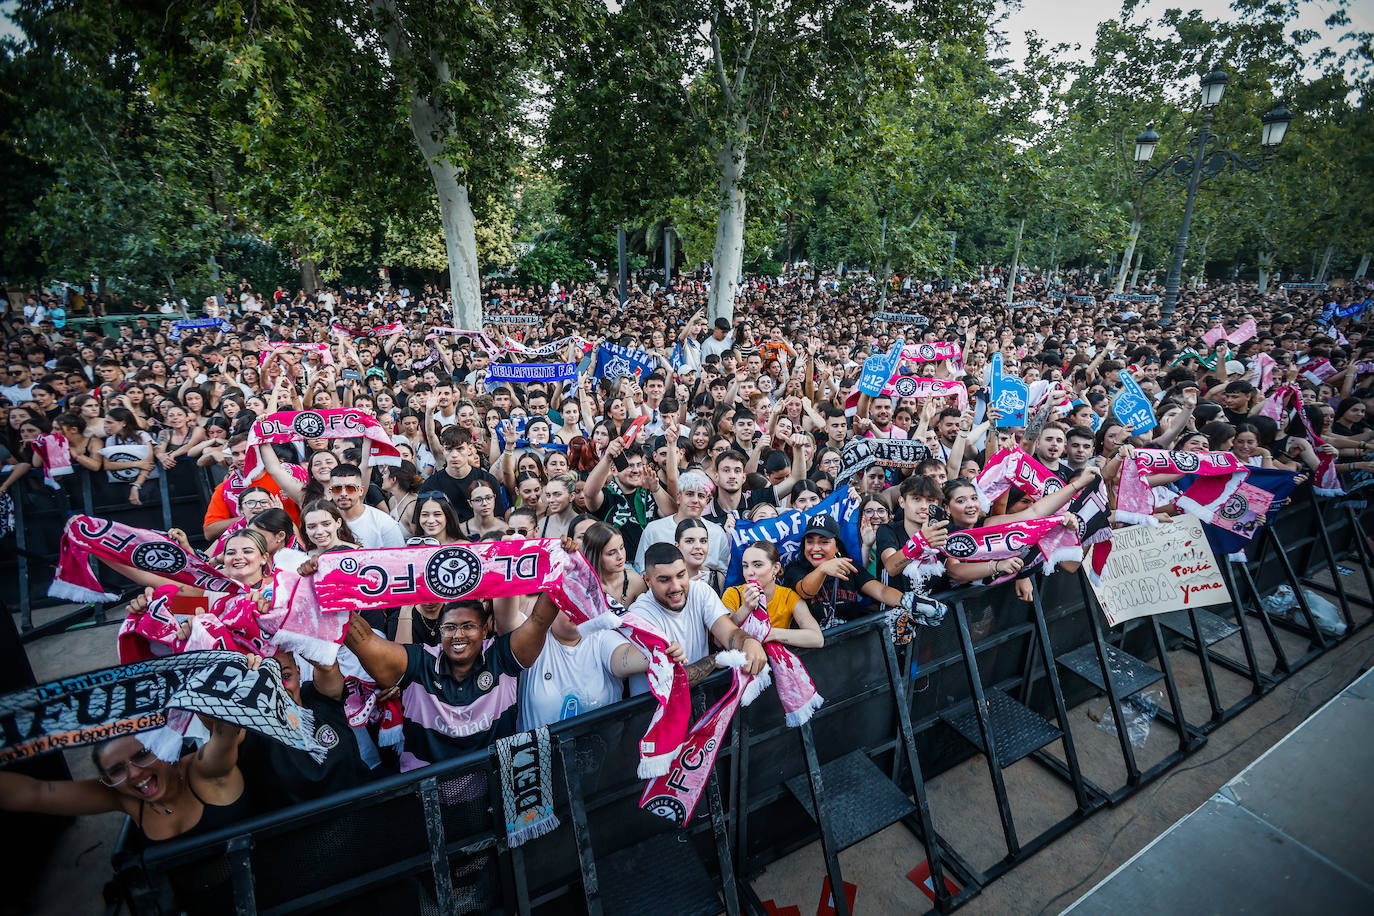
[
  {"x": 961, "y": 799},
  {"x": 965, "y": 815},
  {"x": 1290, "y": 833}
]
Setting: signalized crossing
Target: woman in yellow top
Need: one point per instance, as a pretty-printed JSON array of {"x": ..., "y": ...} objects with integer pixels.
[{"x": 792, "y": 622}]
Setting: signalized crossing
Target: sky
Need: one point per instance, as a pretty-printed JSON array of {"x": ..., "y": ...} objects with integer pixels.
[{"x": 1075, "y": 21}]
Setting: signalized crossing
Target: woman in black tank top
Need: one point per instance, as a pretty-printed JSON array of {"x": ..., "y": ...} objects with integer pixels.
[{"x": 199, "y": 793}]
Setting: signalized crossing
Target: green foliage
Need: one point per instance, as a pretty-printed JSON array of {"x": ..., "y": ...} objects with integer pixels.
[{"x": 549, "y": 262}]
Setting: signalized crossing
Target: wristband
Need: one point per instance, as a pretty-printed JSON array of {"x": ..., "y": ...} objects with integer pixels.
[{"x": 916, "y": 547}]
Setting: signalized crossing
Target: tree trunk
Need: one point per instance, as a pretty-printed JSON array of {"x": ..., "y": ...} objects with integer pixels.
[
  {"x": 310, "y": 276},
  {"x": 1015, "y": 261},
  {"x": 1129, "y": 253},
  {"x": 1363, "y": 268},
  {"x": 432, "y": 127},
  {"x": 1265, "y": 264},
  {"x": 1325, "y": 265},
  {"x": 727, "y": 260},
  {"x": 887, "y": 265},
  {"x": 1135, "y": 274}
]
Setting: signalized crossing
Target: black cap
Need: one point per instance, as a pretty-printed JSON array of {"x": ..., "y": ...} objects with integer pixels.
[{"x": 824, "y": 524}]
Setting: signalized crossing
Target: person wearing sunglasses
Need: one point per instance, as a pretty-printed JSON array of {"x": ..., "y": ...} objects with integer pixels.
[
  {"x": 198, "y": 794},
  {"x": 372, "y": 527}
]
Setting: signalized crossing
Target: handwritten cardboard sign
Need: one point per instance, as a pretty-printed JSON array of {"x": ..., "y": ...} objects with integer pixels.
[{"x": 1155, "y": 569}]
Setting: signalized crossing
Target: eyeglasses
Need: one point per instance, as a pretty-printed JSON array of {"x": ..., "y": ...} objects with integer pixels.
[
  {"x": 116, "y": 774},
  {"x": 450, "y": 630},
  {"x": 254, "y": 505},
  {"x": 349, "y": 488},
  {"x": 482, "y": 499},
  {"x": 875, "y": 513}
]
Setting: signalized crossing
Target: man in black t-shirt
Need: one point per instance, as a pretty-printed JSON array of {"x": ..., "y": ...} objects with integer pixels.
[
  {"x": 279, "y": 775},
  {"x": 460, "y": 471},
  {"x": 629, "y": 499}
]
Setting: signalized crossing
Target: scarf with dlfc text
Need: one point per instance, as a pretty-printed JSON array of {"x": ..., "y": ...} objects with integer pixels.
[
  {"x": 912, "y": 386},
  {"x": 85, "y": 537},
  {"x": 931, "y": 352},
  {"x": 1014, "y": 468},
  {"x": 998, "y": 542},
  {"x": 675, "y": 794},
  {"x": 1135, "y": 503},
  {"x": 300, "y": 425},
  {"x": 138, "y": 698},
  {"x": 390, "y": 577}
]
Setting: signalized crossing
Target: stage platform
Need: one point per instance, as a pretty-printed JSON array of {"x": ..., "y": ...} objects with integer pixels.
[{"x": 1289, "y": 834}]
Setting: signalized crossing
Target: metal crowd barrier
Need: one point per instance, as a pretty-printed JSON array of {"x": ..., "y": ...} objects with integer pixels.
[
  {"x": 40, "y": 512},
  {"x": 998, "y": 679}
]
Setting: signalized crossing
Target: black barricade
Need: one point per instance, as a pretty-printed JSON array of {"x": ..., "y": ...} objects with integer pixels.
[{"x": 432, "y": 840}]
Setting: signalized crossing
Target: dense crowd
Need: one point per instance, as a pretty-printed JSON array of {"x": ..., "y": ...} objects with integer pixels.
[{"x": 650, "y": 471}]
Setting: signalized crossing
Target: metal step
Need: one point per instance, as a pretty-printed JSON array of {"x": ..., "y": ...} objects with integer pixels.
[
  {"x": 1213, "y": 628},
  {"x": 1017, "y": 729},
  {"x": 632, "y": 880},
  {"x": 858, "y": 796},
  {"x": 1129, "y": 674}
]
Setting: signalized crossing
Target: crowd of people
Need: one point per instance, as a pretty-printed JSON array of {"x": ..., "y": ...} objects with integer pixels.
[{"x": 649, "y": 474}]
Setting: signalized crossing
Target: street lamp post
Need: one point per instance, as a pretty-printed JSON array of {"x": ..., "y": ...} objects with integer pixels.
[{"x": 1196, "y": 165}]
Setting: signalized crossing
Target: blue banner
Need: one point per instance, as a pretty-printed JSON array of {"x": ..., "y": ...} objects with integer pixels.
[
  {"x": 193, "y": 324},
  {"x": 521, "y": 373},
  {"x": 1132, "y": 406},
  {"x": 1010, "y": 395},
  {"x": 613, "y": 361},
  {"x": 878, "y": 370},
  {"x": 785, "y": 531},
  {"x": 1353, "y": 309}
]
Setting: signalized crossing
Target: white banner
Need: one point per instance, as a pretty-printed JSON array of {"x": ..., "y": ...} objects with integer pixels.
[{"x": 1155, "y": 569}]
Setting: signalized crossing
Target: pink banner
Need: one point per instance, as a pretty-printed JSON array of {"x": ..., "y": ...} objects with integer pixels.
[
  {"x": 1213, "y": 335},
  {"x": 1243, "y": 333},
  {"x": 1014, "y": 468},
  {"x": 998, "y": 542},
  {"x": 382, "y": 330}
]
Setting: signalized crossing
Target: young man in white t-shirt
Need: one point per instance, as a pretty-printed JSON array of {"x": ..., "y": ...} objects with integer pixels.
[
  {"x": 683, "y": 611},
  {"x": 371, "y": 527}
]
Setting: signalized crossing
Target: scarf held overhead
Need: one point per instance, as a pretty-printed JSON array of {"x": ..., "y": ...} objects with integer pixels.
[
  {"x": 132, "y": 699},
  {"x": 861, "y": 452},
  {"x": 299, "y": 426}
]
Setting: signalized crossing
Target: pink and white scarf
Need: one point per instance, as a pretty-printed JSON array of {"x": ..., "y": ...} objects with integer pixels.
[
  {"x": 355, "y": 579},
  {"x": 321, "y": 349},
  {"x": 1135, "y": 502},
  {"x": 549, "y": 349},
  {"x": 1318, "y": 370},
  {"x": 933, "y": 352},
  {"x": 478, "y": 337},
  {"x": 675, "y": 794},
  {"x": 382, "y": 330},
  {"x": 998, "y": 542},
  {"x": 85, "y": 537},
  {"x": 1262, "y": 372},
  {"x": 1324, "y": 480},
  {"x": 300, "y": 425},
  {"x": 1013, "y": 468},
  {"x": 913, "y": 386},
  {"x": 56, "y": 453}
]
